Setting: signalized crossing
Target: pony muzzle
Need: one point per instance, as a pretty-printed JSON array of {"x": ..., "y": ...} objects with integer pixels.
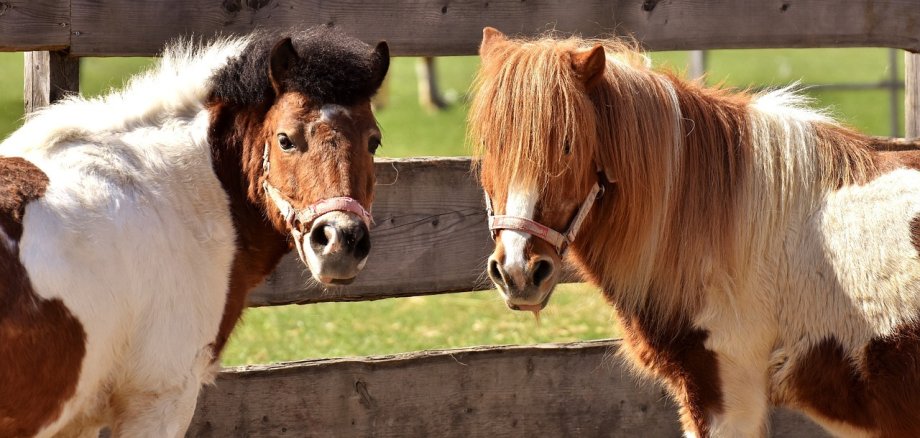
[
  {"x": 525, "y": 286},
  {"x": 336, "y": 246}
]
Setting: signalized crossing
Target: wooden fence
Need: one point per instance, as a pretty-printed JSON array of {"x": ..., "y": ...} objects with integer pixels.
[{"x": 430, "y": 235}]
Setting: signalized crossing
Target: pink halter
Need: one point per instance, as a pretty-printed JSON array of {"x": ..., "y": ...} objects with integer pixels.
[
  {"x": 310, "y": 213},
  {"x": 560, "y": 241}
]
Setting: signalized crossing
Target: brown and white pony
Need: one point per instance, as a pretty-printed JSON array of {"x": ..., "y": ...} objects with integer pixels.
[
  {"x": 133, "y": 226},
  {"x": 757, "y": 252}
]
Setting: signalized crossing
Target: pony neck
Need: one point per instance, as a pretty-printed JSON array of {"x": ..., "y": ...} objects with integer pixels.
[{"x": 236, "y": 153}]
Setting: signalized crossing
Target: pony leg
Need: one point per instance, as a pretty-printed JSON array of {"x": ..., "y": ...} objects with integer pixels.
[
  {"x": 745, "y": 402},
  {"x": 167, "y": 410},
  {"x": 156, "y": 414}
]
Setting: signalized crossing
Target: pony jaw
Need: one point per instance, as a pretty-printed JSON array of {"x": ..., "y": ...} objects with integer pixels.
[{"x": 335, "y": 248}]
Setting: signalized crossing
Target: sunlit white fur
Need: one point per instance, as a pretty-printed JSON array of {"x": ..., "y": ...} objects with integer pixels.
[
  {"x": 521, "y": 203},
  {"x": 134, "y": 235},
  {"x": 805, "y": 257}
]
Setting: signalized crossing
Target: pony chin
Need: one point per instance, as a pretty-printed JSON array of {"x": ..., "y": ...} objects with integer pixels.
[{"x": 336, "y": 247}]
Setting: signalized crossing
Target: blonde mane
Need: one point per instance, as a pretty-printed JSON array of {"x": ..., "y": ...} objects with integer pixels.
[{"x": 694, "y": 167}]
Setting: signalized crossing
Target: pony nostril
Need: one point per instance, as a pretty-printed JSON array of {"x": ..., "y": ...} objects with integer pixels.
[
  {"x": 542, "y": 271},
  {"x": 495, "y": 273},
  {"x": 320, "y": 237},
  {"x": 363, "y": 245}
]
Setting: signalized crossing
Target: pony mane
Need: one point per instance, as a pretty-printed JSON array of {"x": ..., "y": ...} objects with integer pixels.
[
  {"x": 531, "y": 83},
  {"x": 333, "y": 68}
]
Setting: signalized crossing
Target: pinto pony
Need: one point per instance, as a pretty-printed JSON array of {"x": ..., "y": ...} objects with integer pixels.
[
  {"x": 757, "y": 252},
  {"x": 133, "y": 226}
]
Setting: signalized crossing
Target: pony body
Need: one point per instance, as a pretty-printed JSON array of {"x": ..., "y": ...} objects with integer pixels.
[
  {"x": 757, "y": 252},
  {"x": 141, "y": 234}
]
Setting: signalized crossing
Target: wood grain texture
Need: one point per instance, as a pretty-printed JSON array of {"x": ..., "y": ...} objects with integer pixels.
[
  {"x": 27, "y": 25},
  {"x": 128, "y": 27},
  {"x": 545, "y": 390},
  {"x": 49, "y": 77},
  {"x": 912, "y": 94},
  {"x": 430, "y": 236}
]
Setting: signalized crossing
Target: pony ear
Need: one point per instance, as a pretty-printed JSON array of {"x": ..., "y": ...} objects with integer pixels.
[
  {"x": 589, "y": 64},
  {"x": 490, "y": 36},
  {"x": 283, "y": 56},
  {"x": 381, "y": 63}
]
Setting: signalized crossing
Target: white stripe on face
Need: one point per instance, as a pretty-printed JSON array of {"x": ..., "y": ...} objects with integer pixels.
[{"x": 521, "y": 203}]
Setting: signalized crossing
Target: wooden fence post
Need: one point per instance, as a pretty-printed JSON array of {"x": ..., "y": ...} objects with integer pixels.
[
  {"x": 911, "y": 95},
  {"x": 49, "y": 77},
  {"x": 697, "y": 65}
]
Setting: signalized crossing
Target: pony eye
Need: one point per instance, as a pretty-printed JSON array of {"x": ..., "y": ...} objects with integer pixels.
[
  {"x": 373, "y": 144},
  {"x": 567, "y": 148},
  {"x": 285, "y": 142}
]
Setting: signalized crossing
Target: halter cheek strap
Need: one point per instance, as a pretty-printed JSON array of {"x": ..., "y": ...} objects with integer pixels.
[
  {"x": 310, "y": 213},
  {"x": 560, "y": 241}
]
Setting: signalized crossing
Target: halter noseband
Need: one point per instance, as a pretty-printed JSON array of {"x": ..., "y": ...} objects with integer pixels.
[
  {"x": 310, "y": 213},
  {"x": 560, "y": 241}
]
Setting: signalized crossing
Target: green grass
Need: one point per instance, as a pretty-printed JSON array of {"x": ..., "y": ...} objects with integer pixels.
[
  {"x": 416, "y": 323},
  {"x": 576, "y": 312}
]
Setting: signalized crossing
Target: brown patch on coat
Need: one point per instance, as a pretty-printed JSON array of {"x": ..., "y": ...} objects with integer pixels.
[
  {"x": 42, "y": 345},
  {"x": 852, "y": 158},
  {"x": 915, "y": 234},
  {"x": 20, "y": 181},
  {"x": 878, "y": 392},
  {"x": 331, "y": 159},
  {"x": 675, "y": 353}
]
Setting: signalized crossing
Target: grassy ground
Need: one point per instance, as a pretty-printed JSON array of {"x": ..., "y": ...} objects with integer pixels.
[{"x": 576, "y": 312}]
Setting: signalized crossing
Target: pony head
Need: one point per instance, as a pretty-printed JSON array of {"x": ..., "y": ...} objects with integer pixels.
[
  {"x": 534, "y": 124},
  {"x": 311, "y": 151}
]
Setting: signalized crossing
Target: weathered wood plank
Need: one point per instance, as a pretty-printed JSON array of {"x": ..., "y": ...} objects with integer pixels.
[
  {"x": 49, "y": 77},
  {"x": 27, "y": 25},
  {"x": 543, "y": 390},
  {"x": 912, "y": 94},
  {"x": 128, "y": 27},
  {"x": 430, "y": 237}
]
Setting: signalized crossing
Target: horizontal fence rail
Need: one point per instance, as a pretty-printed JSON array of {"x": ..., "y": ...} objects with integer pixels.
[
  {"x": 430, "y": 237},
  {"x": 141, "y": 28},
  {"x": 539, "y": 390}
]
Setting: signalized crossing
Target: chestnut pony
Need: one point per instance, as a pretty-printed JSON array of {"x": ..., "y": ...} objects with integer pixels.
[
  {"x": 133, "y": 226},
  {"x": 757, "y": 252}
]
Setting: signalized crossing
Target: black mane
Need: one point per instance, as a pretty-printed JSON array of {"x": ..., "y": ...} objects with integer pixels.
[{"x": 333, "y": 68}]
